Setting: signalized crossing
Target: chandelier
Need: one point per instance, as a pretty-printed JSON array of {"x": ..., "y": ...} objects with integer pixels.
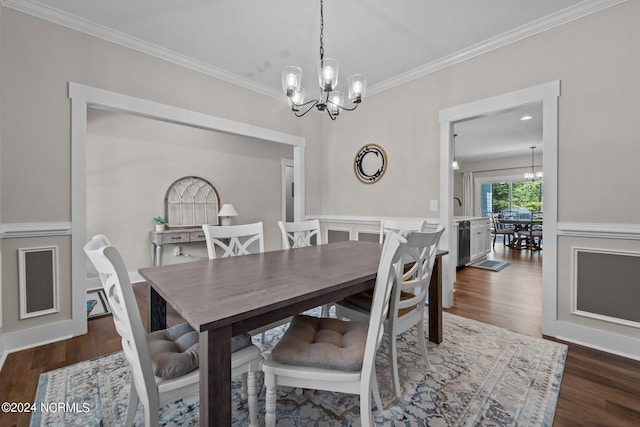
[
  {"x": 533, "y": 176},
  {"x": 330, "y": 100}
]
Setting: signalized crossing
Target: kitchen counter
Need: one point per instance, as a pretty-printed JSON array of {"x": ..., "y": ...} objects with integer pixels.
[{"x": 469, "y": 218}]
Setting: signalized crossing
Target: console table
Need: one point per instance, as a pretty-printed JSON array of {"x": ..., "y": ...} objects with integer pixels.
[{"x": 173, "y": 236}]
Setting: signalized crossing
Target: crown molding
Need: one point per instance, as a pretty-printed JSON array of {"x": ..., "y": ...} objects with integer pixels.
[
  {"x": 557, "y": 19},
  {"x": 48, "y": 13}
]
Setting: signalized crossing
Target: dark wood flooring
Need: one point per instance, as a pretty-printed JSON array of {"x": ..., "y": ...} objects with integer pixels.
[{"x": 598, "y": 389}]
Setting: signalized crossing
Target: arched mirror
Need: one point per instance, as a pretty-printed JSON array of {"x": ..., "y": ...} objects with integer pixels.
[{"x": 191, "y": 202}]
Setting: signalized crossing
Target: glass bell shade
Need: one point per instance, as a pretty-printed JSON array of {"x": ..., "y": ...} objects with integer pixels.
[
  {"x": 327, "y": 74},
  {"x": 296, "y": 99},
  {"x": 357, "y": 84},
  {"x": 336, "y": 100},
  {"x": 291, "y": 79}
]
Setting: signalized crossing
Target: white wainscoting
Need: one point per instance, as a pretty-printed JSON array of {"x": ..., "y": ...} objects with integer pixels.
[
  {"x": 599, "y": 238},
  {"x": 358, "y": 224},
  {"x": 31, "y": 337}
]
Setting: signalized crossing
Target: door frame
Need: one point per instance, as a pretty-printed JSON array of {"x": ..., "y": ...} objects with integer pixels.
[{"x": 548, "y": 94}]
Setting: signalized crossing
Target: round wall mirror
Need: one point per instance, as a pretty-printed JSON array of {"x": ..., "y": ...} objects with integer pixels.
[{"x": 370, "y": 163}]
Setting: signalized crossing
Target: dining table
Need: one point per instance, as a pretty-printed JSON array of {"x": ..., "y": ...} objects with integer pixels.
[
  {"x": 225, "y": 297},
  {"x": 521, "y": 227}
]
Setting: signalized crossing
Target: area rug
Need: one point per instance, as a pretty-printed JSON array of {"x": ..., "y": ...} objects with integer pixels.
[
  {"x": 481, "y": 375},
  {"x": 97, "y": 304},
  {"x": 491, "y": 265}
]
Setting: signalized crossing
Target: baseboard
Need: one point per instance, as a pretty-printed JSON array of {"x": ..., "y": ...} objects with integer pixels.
[
  {"x": 597, "y": 339},
  {"x": 36, "y": 336}
]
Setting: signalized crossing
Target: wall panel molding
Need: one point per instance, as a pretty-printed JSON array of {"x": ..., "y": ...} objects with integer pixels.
[
  {"x": 616, "y": 301},
  {"x": 599, "y": 230},
  {"x": 38, "y": 281},
  {"x": 34, "y": 229}
]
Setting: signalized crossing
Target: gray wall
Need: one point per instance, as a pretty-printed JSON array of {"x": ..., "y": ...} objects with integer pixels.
[{"x": 131, "y": 161}]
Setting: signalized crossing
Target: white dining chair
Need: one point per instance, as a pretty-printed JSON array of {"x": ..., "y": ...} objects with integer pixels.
[
  {"x": 298, "y": 234},
  {"x": 400, "y": 225},
  {"x": 233, "y": 240},
  {"x": 333, "y": 354},
  {"x": 408, "y": 298},
  {"x": 164, "y": 363}
]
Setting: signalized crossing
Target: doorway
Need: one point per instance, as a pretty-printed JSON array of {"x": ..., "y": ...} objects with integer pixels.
[
  {"x": 288, "y": 187},
  {"x": 547, "y": 94}
]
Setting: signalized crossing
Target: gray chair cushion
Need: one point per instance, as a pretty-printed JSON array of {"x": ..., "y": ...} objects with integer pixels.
[
  {"x": 174, "y": 351},
  {"x": 323, "y": 343}
]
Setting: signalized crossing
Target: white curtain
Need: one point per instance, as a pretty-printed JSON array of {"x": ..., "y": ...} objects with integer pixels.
[{"x": 467, "y": 193}]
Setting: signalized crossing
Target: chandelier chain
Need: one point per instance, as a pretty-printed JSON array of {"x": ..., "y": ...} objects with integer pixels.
[{"x": 321, "y": 32}]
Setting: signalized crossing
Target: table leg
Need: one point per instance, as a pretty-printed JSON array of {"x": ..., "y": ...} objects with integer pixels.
[
  {"x": 157, "y": 311},
  {"x": 215, "y": 377},
  {"x": 435, "y": 302}
]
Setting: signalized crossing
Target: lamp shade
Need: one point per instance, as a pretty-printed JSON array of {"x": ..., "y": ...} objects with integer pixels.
[
  {"x": 327, "y": 74},
  {"x": 227, "y": 210},
  {"x": 357, "y": 85},
  {"x": 291, "y": 79}
]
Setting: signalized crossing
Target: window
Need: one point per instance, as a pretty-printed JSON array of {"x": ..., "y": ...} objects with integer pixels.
[{"x": 515, "y": 195}]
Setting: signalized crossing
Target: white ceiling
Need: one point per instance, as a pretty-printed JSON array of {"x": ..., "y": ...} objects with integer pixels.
[
  {"x": 500, "y": 135},
  {"x": 247, "y": 42}
]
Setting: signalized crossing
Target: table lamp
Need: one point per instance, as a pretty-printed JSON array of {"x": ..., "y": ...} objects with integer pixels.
[{"x": 226, "y": 212}]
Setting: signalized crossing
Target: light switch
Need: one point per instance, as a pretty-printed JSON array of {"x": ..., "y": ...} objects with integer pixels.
[{"x": 434, "y": 206}]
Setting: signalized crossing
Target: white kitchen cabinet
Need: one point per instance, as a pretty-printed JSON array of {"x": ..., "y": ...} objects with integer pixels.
[{"x": 480, "y": 242}]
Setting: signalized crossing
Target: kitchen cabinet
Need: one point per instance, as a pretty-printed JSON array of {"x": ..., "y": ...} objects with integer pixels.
[{"x": 480, "y": 242}]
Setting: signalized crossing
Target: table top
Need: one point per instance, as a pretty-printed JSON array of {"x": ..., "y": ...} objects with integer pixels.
[{"x": 214, "y": 293}]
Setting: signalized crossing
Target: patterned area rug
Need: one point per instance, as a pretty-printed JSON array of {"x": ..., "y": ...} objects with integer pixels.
[{"x": 482, "y": 376}]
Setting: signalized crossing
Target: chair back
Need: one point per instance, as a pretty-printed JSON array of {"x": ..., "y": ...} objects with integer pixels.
[
  {"x": 389, "y": 273},
  {"x": 233, "y": 240},
  {"x": 419, "y": 251},
  {"x": 299, "y": 234},
  {"x": 126, "y": 316},
  {"x": 401, "y": 226}
]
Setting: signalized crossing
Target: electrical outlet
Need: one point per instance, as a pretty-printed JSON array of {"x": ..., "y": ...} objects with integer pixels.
[
  {"x": 434, "y": 206},
  {"x": 177, "y": 251}
]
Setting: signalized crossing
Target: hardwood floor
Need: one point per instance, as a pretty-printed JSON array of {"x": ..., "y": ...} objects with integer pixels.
[{"x": 598, "y": 389}]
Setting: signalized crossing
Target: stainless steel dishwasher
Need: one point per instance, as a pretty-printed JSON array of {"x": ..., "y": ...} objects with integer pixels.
[{"x": 464, "y": 243}]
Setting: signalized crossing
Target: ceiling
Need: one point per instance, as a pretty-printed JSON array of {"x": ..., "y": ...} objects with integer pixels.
[
  {"x": 247, "y": 42},
  {"x": 500, "y": 135}
]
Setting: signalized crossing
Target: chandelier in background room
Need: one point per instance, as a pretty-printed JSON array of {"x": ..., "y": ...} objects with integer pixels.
[
  {"x": 533, "y": 176},
  {"x": 330, "y": 100}
]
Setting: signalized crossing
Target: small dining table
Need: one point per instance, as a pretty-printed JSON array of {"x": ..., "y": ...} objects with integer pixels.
[
  {"x": 225, "y": 297},
  {"x": 521, "y": 226}
]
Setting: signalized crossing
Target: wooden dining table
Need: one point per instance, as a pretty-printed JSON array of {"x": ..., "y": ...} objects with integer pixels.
[{"x": 225, "y": 297}]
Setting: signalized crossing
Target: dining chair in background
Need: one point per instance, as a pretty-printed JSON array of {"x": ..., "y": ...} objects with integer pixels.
[
  {"x": 333, "y": 354},
  {"x": 165, "y": 363},
  {"x": 234, "y": 240},
  {"x": 407, "y": 300},
  {"x": 501, "y": 229},
  {"x": 299, "y": 234},
  {"x": 400, "y": 225}
]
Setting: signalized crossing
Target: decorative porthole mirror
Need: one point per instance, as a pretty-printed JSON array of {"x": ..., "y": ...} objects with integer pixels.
[{"x": 370, "y": 163}]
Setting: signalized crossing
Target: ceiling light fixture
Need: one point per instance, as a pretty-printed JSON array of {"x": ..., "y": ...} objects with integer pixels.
[
  {"x": 533, "y": 176},
  {"x": 526, "y": 118},
  {"x": 454, "y": 165},
  {"x": 333, "y": 100}
]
